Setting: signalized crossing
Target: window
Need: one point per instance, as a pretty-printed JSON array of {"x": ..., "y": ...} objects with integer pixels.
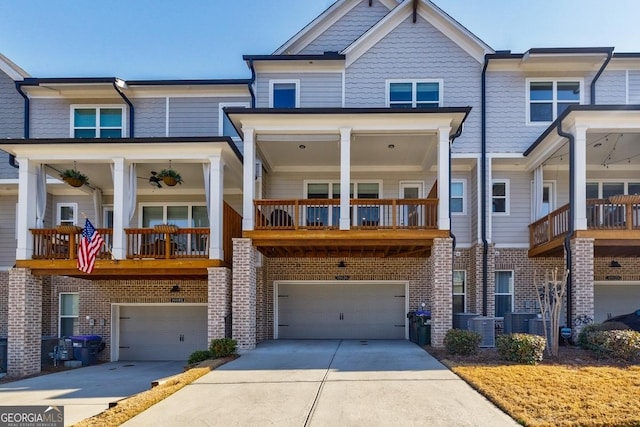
[
  {"x": 597, "y": 214},
  {"x": 457, "y": 196},
  {"x": 284, "y": 93},
  {"x": 414, "y": 93},
  {"x": 459, "y": 294},
  {"x": 225, "y": 128},
  {"x": 97, "y": 122},
  {"x": 67, "y": 213},
  {"x": 69, "y": 310},
  {"x": 321, "y": 215},
  {"x": 107, "y": 217},
  {"x": 548, "y": 99},
  {"x": 500, "y": 197},
  {"x": 179, "y": 215},
  {"x": 504, "y": 292}
]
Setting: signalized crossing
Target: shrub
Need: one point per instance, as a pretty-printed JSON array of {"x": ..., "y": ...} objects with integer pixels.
[
  {"x": 222, "y": 347},
  {"x": 521, "y": 348},
  {"x": 587, "y": 339},
  {"x": 458, "y": 341},
  {"x": 617, "y": 344},
  {"x": 199, "y": 356}
]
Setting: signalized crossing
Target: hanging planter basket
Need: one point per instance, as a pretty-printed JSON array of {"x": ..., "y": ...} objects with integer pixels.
[
  {"x": 74, "y": 182},
  {"x": 170, "y": 177},
  {"x": 169, "y": 180}
]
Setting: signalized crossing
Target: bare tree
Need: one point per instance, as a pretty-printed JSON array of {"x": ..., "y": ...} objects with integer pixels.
[{"x": 551, "y": 292}]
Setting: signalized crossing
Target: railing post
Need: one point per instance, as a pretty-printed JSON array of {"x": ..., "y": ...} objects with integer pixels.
[
  {"x": 549, "y": 227},
  {"x": 394, "y": 214},
  {"x": 629, "y": 215},
  {"x": 72, "y": 245},
  {"x": 296, "y": 212},
  {"x": 167, "y": 245}
]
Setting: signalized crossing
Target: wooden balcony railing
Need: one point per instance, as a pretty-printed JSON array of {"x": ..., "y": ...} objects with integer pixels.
[
  {"x": 301, "y": 214},
  {"x": 167, "y": 243},
  {"x": 602, "y": 214},
  {"x": 62, "y": 242}
]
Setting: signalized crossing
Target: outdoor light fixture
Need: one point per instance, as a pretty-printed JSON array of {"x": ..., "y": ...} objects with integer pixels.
[
  {"x": 302, "y": 146},
  {"x": 614, "y": 264},
  {"x": 175, "y": 288},
  {"x": 342, "y": 264},
  {"x": 391, "y": 146}
]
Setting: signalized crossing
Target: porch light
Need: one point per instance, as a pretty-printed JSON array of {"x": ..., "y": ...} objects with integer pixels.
[
  {"x": 342, "y": 264},
  {"x": 302, "y": 146},
  {"x": 614, "y": 264},
  {"x": 391, "y": 146},
  {"x": 175, "y": 288}
]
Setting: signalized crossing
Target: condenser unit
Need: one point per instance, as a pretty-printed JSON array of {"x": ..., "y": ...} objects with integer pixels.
[
  {"x": 486, "y": 327},
  {"x": 517, "y": 322},
  {"x": 461, "y": 320}
]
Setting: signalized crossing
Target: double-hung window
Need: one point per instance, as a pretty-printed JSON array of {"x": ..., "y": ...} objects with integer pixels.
[
  {"x": 67, "y": 213},
  {"x": 504, "y": 292},
  {"x": 414, "y": 93},
  {"x": 459, "y": 291},
  {"x": 69, "y": 311},
  {"x": 457, "y": 197},
  {"x": 284, "y": 93},
  {"x": 547, "y": 99},
  {"x": 321, "y": 215},
  {"x": 97, "y": 122},
  {"x": 500, "y": 197}
]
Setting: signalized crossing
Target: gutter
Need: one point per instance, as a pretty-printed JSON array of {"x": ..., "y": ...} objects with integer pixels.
[
  {"x": 597, "y": 76},
  {"x": 131, "y": 109},
  {"x": 567, "y": 238},
  {"x": 27, "y": 115},
  {"x": 483, "y": 188},
  {"x": 251, "y": 82}
]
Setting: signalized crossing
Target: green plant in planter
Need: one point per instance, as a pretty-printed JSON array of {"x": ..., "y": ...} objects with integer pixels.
[
  {"x": 170, "y": 177},
  {"x": 74, "y": 177}
]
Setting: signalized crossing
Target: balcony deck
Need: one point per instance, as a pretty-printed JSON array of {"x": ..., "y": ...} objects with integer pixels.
[
  {"x": 310, "y": 228},
  {"x": 615, "y": 226}
]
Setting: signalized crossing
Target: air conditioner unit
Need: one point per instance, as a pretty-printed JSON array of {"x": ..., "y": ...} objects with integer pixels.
[
  {"x": 517, "y": 322},
  {"x": 486, "y": 327},
  {"x": 537, "y": 328},
  {"x": 461, "y": 320}
]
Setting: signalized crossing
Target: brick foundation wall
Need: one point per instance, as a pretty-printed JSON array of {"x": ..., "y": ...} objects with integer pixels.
[
  {"x": 441, "y": 278},
  {"x": 582, "y": 274},
  {"x": 219, "y": 301},
  {"x": 4, "y": 303},
  {"x": 263, "y": 328},
  {"x": 629, "y": 268},
  {"x": 25, "y": 323},
  {"x": 244, "y": 294}
]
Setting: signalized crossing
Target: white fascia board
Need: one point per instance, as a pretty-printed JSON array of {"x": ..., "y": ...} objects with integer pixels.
[
  {"x": 333, "y": 169},
  {"x": 316, "y": 27},
  {"x": 607, "y": 121},
  {"x": 623, "y": 64},
  {"x": 299, "y": 66},
  {"x": 11, "y": 69},
  {"x": 183, "y": 91}
]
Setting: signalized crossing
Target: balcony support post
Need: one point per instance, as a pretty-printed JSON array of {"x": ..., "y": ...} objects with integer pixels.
[
  {"x": 216, "y": 216},
  {"x": 444, "y": 222},
  {"x": 579, "y": 178},
  {"x": 345, "y": 178},
  {"x": 27, "y": 177},
  {"x": 248, "y": 178},
  {"x": 120, "y": 208}
]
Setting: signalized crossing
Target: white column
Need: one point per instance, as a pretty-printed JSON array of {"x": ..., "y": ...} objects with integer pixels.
[
  {"x": 27, "y": 176},
  {"x": 579, "y": 178},
  {"x": 120, "y": 207},
  {"x": 444, "y": 222},
  {"x": 248, "y": 179},
  {"x": 345, "y": 178},
  {"x": 538, "y": 181},
  {"x": 216, "y": 208}
]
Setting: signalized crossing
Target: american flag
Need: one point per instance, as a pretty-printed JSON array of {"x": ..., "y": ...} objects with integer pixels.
[{"x": 90, "y": 245}]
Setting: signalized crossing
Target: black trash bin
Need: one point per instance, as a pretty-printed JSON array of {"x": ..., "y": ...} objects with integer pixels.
[
  {"x": 423, "y": 327},
  {"x": 86, "y": 348},
  {"x": 413, "y": 327}
]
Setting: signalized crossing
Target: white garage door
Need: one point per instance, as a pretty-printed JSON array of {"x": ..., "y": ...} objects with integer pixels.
[
  {"x": 341, "y": 310},
  {"x": 162, "y": 332},
  {"x": 614, "y": 298}
]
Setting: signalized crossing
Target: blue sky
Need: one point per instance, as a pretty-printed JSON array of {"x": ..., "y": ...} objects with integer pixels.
[{"x": 152, "y": 39}]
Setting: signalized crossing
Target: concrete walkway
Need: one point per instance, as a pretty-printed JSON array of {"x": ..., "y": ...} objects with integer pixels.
[
  {"x": 85, "y": 392},
  {"x": 328, "y": 383}
]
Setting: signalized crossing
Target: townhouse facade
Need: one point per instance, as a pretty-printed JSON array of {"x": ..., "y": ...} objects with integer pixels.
[{"x": 382, "y": 160}]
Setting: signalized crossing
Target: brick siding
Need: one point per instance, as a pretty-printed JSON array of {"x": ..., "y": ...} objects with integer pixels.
[
  {"x": 219, "y": 301},
  {"x": 25, "y": 323},
  {"x": 244, "y": 294}
]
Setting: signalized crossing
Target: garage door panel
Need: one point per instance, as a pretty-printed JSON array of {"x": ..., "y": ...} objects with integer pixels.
[
  {"x": 615, "y": 299},
  {"x": 341, "y": 310},
  {"x": 162, "y": 332}
]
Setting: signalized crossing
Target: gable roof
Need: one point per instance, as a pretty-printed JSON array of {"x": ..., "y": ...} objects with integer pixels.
[
  {"x": 319, "y": 25},
  {"x": 11, "y": 69},
  {"x": 444, "y": 23}
]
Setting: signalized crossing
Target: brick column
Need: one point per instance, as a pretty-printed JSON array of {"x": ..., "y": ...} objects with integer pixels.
[
  {"x": 441, "y": 307},
  {"x": 475, "y": 306},
  {"x": 219, "y": 301},
  {"x": 581, "y": 280},
  {"x": 25, "y": 323},
  {"x": 244, "y": 294}
]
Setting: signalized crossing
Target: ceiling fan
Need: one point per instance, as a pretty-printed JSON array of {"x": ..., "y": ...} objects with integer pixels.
[{"x": 154, "y": 180}]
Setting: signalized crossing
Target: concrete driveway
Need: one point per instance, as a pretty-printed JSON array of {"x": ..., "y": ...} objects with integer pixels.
[
  {"x": 87, "y": 391},
  {"x": 327, "y": 383}
]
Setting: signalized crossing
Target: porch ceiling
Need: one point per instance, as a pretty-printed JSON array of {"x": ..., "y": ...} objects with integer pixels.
[{"x": 604, "y": 149}]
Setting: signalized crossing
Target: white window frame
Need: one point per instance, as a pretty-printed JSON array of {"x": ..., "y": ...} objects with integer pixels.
[
  {"x": 59, "y": 207},
  {"x": 97, "y": 107},
  {"x": 512, "y": 287},
  {"x": 551, "y": 185},
  {"x": 165, "y": 205},
  {"x": 464, "y": 294},
  {"x": 354, "y": 217},
  {"x": 221, "y": 106},
  {"x": 554, "y": 100},
  {"x": 105, "y": 210},
  {"x": 414, "y": 85},
  {"x": 506, "y": 197},
  {"x": 464, "y": 196},
  {"x": 61, "y": 316},
  {"x": 274, "y": 82}
]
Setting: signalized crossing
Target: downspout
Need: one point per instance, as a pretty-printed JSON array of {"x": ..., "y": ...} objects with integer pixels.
[
  {"x": 567, "y": 238},
  {"x": 27, "y": 109},
  {"x": 483, "y": 187},
  {"x": 597, "y": 76},
  {"x": 451, "y": 139},
  {"x": 131, "y": 109},
  {"x": 251, "y": 83}
]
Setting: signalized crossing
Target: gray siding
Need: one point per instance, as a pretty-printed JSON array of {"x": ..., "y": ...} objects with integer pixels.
[
  {"x": 611, "y": 88},
  {"x": 11, "y": 109},
  {"x": 85, "y": 205},
  {"x": 513, "y": 228},
  {"x": 196, "y": 116},
  {"x": 316, "y": 89},
  {"x": 150, "y": 117},
  {"x": 473, "y": 197},
  {"x": 461, "y": 224},
  {"x": 349, "y": 28},
  {"x": 419, "y": 51},
  {"x": 8, "y": 242},
  {"x": 634, "y": 86}
]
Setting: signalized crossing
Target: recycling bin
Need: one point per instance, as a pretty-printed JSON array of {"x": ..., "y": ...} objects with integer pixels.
[
  {"x": 423, "y": 327},
  {"x": 86, "y": 348}
]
